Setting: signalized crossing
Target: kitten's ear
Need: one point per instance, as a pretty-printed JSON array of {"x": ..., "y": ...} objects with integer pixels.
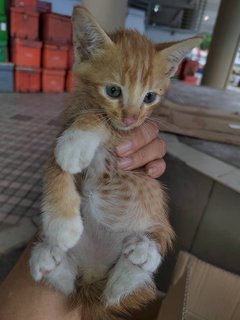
[
  {"x": 175, "y": 52},
  {"x": 89, "y": 39}
]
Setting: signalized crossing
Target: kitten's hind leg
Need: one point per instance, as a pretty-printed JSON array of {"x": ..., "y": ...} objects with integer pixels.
[
  {"x": 140, "y": 258},
  {"x": 54, "y": 266}
]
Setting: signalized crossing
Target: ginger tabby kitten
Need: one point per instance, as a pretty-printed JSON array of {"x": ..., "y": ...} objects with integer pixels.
[{"x": 102, "y": 243}]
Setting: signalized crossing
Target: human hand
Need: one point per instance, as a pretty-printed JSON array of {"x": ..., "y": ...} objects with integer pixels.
[{"x": 143, "y": 148}]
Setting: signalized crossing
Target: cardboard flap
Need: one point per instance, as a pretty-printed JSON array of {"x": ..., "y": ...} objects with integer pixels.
[
  {"x": 200, "y": 291},
  {"x": 173, "y": 306}
]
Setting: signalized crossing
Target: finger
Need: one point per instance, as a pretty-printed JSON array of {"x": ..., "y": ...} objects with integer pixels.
[
  {"x": 156, "y": 168},
  {"x": 137, "y": 138},
  {"x": 156, "y": 149}
]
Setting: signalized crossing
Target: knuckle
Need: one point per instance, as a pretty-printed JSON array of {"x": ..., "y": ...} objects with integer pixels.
[
  {"x": 139, "y": 158},
  {"x": 162, "y": 147},
  {"x": 161, "y": 167}
]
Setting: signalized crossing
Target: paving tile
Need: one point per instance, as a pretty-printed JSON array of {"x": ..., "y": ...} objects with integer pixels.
[
  {"x": 15, "y": 185},
  {"x": 2, "y": 216},
  {"x": 9, "y": 191},
  {"x": 26, "y": 202},
  {"x": 21, "y": 117},
  {"x": 13, "y": 200},
  {"x": 32, "y": 212},
  {"x": 19, "y": 210},
  {"x": 33, "y": 195},
  {"x": 21, "y": 193},
  {"x": 3, "y": 198},
  {"x": 4, "y": 183},
  {"x": 7, "y": 208},
  {"x": 12, "y": 219}
]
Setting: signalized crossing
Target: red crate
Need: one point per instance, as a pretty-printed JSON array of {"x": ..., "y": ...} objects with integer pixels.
[
  {"x": 44, "y": 7},
  {"x": 53, "y": 81},
  {"x": 25, "y": 4},
  {"x": 27, "y": 79},
  {"x": 55, "y": 57},
  {"x": 26, "y": 53},
  {"x": 24, "y": 24},
  {"x": 56, "y": 28},
  {"x": 70, "y": 57},
  {"x": 70, "y": 81},
  {"x": 191, "y": 80}
]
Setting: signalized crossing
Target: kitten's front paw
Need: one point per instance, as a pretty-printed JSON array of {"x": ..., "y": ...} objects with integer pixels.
[
  {"x": 44, "y": 259},
  {"x": 75, "y": 150},
  {"x": 142, "y": 252},
  {"x": 63, "y": 232}
]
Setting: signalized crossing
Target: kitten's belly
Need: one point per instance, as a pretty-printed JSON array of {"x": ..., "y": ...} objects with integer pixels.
[
  {"x": 121, "y": 205},
  {"x": 97, "y": 250}
]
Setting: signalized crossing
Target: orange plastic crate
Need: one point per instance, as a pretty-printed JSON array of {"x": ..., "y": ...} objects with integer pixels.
[
  {"x": 70, "y": 57},
  {"x": 56, "y": 28},
  {"x": 25, "y": 4},
  {"x": 70, "y": 81},
  {"x": 24, "y": 24},
  {"x": 191, "y": 80},
  {"x": 53, "y": 81},
  {"x": 27, "y": 79},
  {"x": 55, "y": 57},
  {"x": 26, "y": 53}
]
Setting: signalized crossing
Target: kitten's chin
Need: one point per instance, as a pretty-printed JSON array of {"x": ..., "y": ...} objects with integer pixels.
[{"x": 124, "y": 128}]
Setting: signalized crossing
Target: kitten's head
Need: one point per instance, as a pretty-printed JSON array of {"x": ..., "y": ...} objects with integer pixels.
[{"x": 124, "y": 73}]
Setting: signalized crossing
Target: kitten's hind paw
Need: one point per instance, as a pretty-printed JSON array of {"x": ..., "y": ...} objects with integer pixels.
[
  {"x": 44, "y": 259},
  {"x": 139, "y": 259},
  {"x": 142, "y": 252}
]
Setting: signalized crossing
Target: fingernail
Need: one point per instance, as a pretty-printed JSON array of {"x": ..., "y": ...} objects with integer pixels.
[
  {"x": 152, "y": 171},
  {"x": 124, "y": 163},
  {"x": 124, "y": 147}
]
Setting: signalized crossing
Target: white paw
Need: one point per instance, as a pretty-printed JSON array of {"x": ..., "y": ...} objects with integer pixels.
[
  {"x": 44, "y": 259},
  {"x": 139, "y": 259},
  {"x": 75, "y": 149},
  {"x": 124, "y": 280},
  {"x": 63, "y": 232},
  {"x": 142, "y": 252}
]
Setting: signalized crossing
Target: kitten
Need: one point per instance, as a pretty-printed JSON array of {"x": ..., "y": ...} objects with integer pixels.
[{"x": 103, "y": 242}]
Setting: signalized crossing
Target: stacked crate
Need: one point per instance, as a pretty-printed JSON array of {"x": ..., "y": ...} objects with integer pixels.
[
  {"x": 3, "y": 33},
  {"x": 70, "y": 77},
  {"x": 57, "y": 37},
  {"x": 25, "y": 46},
  {"x": 6, "y": 68}
]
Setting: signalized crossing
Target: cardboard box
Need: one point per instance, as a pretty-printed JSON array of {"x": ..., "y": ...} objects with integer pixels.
[{"x": 200, "y": 291}]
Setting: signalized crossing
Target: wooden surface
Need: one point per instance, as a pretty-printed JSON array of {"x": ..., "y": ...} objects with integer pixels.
[
  {"x": 201, "y": 112},
  {"x": 205, "y": 97}
]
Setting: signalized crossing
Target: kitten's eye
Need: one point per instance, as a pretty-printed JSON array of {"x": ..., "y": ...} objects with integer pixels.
[
  {"x": 113, "y": 91},
  {"x": 150, "y": 97}
]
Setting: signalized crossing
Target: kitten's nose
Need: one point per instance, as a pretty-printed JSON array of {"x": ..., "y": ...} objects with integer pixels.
[{"x": 128, "y": 121}]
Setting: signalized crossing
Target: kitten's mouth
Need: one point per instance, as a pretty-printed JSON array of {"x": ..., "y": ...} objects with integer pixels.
[
  {"x": 129, "y": 123},
  {"x": 126, "y": 127}
]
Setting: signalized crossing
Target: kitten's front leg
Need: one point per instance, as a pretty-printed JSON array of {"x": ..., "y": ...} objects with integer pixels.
[
  {"x": 140, "y": 258},
  {"x": 75, "y": 149}
]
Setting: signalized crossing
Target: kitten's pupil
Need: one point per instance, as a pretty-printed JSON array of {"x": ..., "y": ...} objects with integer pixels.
[
  {"x": 150, "y": 97},
  {"x": 113, "y": 91}
]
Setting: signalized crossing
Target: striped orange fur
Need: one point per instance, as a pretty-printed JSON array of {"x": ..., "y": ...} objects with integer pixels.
[{"x": 106, "y": 261}]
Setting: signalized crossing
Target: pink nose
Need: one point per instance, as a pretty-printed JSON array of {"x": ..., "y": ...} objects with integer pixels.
[{"x": 129, "y": 121}]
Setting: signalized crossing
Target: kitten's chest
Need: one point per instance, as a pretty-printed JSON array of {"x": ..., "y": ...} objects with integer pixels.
[{"x": 115, "y": 199}]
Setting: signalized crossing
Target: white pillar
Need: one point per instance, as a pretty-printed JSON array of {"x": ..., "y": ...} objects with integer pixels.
[
  {"x": 110, "y": 14},
  {"x": 225, "y": 41}
]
